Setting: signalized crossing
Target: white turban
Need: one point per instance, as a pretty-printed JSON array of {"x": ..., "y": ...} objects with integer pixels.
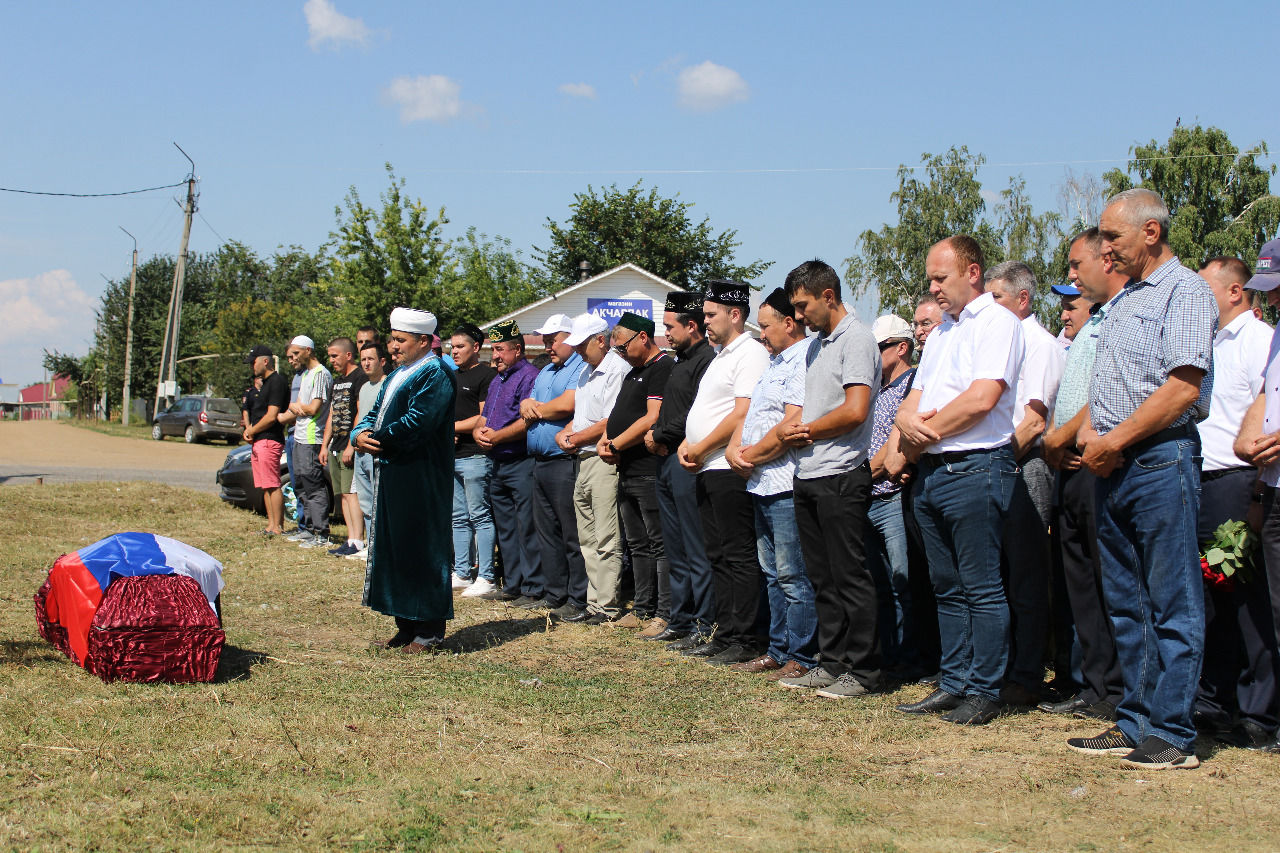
[{"x": 413, "y": 321}]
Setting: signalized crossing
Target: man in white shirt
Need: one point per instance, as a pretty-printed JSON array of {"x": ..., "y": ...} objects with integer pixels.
[
  {"x": 595, "y": 489},
  {"x": 1237, "y": 699},
  {"x": 1026, "y": 543},
  {"x": 728, "y": 515},
  {"x": 958, "y": 422},
  {"x": 1259, "y": 440}
]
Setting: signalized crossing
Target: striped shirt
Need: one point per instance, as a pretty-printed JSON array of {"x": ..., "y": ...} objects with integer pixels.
[
  {"x": 768, "y": 405},
  {"x": 1154, "y": 326}
]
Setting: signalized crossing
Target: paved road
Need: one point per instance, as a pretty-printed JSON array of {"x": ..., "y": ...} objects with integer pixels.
[{"x": 61, "y": 453}]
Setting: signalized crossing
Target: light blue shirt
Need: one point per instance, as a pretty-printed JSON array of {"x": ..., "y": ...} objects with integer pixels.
[
  {"x": 1073, "y": 392},
  {"x": 785, "y": 373},
  {"x": 552, "y": 381}
]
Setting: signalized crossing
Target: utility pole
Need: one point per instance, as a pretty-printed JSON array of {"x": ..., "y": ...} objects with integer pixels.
[
  {"x": 169, "y": 353},
  {"x": 128, "y": 334}
]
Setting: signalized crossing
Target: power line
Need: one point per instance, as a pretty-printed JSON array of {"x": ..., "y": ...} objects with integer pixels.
[
  {"x": 93, "y": 195},
  {"x": 211, "y": 228}
]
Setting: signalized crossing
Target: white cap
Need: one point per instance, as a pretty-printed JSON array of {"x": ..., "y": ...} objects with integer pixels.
[
  {"x": 890, "y": 327},
  {"x": 584, "y": 326},
  {"x": 302, "y": 341},
  {"x": 413, "y": 321},
  {"x": 555, "y": 324}
]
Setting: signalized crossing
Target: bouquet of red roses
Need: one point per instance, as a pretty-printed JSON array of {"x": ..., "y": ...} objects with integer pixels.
[{"x": 1228, "y": 558}]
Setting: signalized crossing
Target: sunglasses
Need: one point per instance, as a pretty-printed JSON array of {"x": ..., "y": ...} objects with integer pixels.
[{"x": 621, "y": 348}]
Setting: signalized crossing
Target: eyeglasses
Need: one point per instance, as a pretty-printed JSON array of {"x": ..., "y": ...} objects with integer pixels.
[
  {"x": 621, "y": 349},
  {"x": 924, "y": 324}
]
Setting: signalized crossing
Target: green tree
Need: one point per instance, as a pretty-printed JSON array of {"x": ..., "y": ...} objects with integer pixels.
[
  {"x": 383, "y": 258},
  {"x": 617, "y": 226},
  {"x": 1220, "y": 199},
  {"x": 485, "y": 279}
]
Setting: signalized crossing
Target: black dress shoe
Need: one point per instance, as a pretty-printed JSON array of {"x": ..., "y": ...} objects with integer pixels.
[
  {"x": 732, "y": 654},
  {"x": 933, "y": 680},
  {"x": 691, "y": 641},
  {"x": 565, "y": 612},
  {"x": 706, "y": 650},
  {"x": 1066, "y": 706},
  {"x": 498, "y": 595},
  {"x": 974, "y": 711},
  {"x": 536, "y": 604},
  {"x": 936, "y": 702},
  {"x": 1101, "y": 710},
  {"x": 579, "y": 616},
  {"x": 595, "y": 619},
  {"x": 1247, "y": 734},
  {"x": 1015, "y": 695},
  {"x": 668, "y": 635}
]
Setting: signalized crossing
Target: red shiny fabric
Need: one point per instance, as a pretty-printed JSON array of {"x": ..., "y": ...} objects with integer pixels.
[
  {"x": 50, "y": 630},
  {"x": 155, "y": 628}
]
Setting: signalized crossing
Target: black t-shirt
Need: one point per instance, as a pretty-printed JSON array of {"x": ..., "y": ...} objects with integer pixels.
[
  {"x": 343, "y": 405},
  {"x": 473, "y": 389},
  {"x": 641, "y": 385},
  {"x": 681, "y": 390},
  {"x": 274, "y": 392}
]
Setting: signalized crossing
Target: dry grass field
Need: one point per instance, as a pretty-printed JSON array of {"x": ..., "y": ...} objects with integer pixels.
[{"x": 523, "y": 735}]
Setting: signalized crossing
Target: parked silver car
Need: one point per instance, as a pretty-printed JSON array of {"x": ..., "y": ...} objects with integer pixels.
[{"x": 199, "y": 419}]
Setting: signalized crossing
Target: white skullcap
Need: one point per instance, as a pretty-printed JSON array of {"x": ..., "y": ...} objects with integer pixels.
[
  {"x": 302, "y": 341},
  {"x": 413, "y": 321}
]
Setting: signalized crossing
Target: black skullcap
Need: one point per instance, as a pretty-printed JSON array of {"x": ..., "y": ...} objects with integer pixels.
[
  {"x": 779, "y": 302},
  {"x": 723, "y": 291},
  {"x": 685, "y": 302}
]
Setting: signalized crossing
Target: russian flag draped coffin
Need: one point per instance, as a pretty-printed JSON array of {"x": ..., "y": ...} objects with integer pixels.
[{"x": 135, "y": 607}]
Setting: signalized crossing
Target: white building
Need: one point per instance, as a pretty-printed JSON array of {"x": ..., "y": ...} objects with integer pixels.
[{"x": 609, "y": 294}]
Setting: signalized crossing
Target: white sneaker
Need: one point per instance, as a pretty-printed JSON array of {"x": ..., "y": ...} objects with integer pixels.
[
  {"x": 362, "y": 554},
  {"x": 460, "y": 583},
  {"x": 479, "y": 588}
]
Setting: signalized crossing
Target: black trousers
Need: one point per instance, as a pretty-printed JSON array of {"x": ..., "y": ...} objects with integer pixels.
[
  {"x": 831, "y": 513},
  {"x": 642, "y": 527},
  {"x": 563, "y": 569},
  {"x": 924, "y": 608},
  {"x": 1240, "y": 661},
  {"x": 1027, "y": 570},
  {"x": 1082, "y": 576},
  {"x": 729, "y": 525},
  {"x": 429, "y": 630}
]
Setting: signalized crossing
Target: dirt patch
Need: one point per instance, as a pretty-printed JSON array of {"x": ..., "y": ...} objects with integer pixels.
[{"x": 57, "y": 444}]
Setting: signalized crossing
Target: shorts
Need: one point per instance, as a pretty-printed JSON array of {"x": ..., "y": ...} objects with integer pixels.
[
  {"x": 339, "y": 475},
  {"x": 265, "y": 460}
]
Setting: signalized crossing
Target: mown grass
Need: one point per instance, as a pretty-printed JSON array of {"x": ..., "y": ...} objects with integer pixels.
[{"x": 523, "y": 736}]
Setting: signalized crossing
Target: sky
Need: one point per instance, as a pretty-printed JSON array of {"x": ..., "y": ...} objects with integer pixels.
[{"x": 786, "y": 122}]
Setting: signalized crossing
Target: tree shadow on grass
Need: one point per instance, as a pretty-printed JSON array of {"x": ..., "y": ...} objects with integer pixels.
[
  {"x": 236, "y": 664},
  {"x": 486, "y": 635}
]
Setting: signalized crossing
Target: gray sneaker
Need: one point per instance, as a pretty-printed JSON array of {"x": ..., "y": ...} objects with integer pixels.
[
  {"x": 845, "y": 687},
  {"x": 814, "y": 679},
  {"x": 299, "y": 535}
]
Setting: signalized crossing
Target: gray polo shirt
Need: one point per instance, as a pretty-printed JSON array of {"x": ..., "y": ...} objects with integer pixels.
[{"x": 848, "y": 356}]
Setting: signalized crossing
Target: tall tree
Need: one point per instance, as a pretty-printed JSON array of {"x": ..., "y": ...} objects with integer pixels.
[
  {"x": 1220, "y": 199},
  {"x": 619, "y": 226}
]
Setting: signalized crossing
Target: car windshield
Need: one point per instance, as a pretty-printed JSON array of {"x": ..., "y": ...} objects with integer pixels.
[{"x": 224, "y": 406}]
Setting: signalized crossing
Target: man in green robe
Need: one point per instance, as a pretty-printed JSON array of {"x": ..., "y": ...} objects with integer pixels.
[{"x": 409, "y": 433}]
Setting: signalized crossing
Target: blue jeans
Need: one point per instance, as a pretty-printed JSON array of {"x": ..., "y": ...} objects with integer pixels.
[
  {"x": 1147, "y": 513},
  {"x": 793, "y": 620},
  {"x": 472, "y": 518},
  {"x": 961, "y": 506},
  {"x": 887, "y": 562}
]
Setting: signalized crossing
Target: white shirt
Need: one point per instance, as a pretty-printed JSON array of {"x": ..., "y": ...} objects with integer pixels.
[
  {"x": 733, "y": 373},
  {"x": 1042, "y": 363},
  {"x": 1240, "y": 351},
  {"x": 985, "y": 342},
  {"x": 597, "y": 391}
]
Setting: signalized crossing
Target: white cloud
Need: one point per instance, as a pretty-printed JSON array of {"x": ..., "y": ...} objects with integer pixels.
[
  {"x": 425, "y": 98},
  {"x": 325, "y": 24},
  {"x": 709, "y": 86},
  {"x": 53, "y": 313},
  {"x": 578, "y": 90}
]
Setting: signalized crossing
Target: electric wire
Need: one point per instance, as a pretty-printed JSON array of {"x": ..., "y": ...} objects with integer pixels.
[{"x": 92, "y": 195}]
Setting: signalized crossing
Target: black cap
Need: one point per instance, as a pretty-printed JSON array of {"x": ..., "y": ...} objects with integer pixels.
[
  {"x": 779, "y": 302},
  {"x": 471, "y": 330},
  {"x": 684, "y": 302},
  {"x": 256, "y": 352},
  {"x": 726, "y": 292}
]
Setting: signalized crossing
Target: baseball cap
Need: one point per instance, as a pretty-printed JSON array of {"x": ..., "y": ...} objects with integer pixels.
[
  {"x": 584, "y": 326},
  {"x": 555, "y": 324},
  {"x": 1266, "y": 273},
  {"x": 1066, "y": 290},
  {"x": 257, "y": 352},
  {"x": 890, "y": 327}
]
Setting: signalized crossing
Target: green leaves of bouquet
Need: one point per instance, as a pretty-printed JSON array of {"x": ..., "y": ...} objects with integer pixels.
[{"x": 1231, "y": 551}]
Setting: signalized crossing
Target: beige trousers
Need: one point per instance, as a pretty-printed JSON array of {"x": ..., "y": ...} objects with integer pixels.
[{"x": 595, "y": 504}]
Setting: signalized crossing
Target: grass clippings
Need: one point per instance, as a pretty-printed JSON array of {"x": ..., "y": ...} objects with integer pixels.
[{"x": 523, "y": 735}]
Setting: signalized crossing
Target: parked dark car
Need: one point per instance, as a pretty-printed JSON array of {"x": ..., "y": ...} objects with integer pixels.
[
  {"x": 235, "y": 478},
  {"x": 200, "y": 419}
]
